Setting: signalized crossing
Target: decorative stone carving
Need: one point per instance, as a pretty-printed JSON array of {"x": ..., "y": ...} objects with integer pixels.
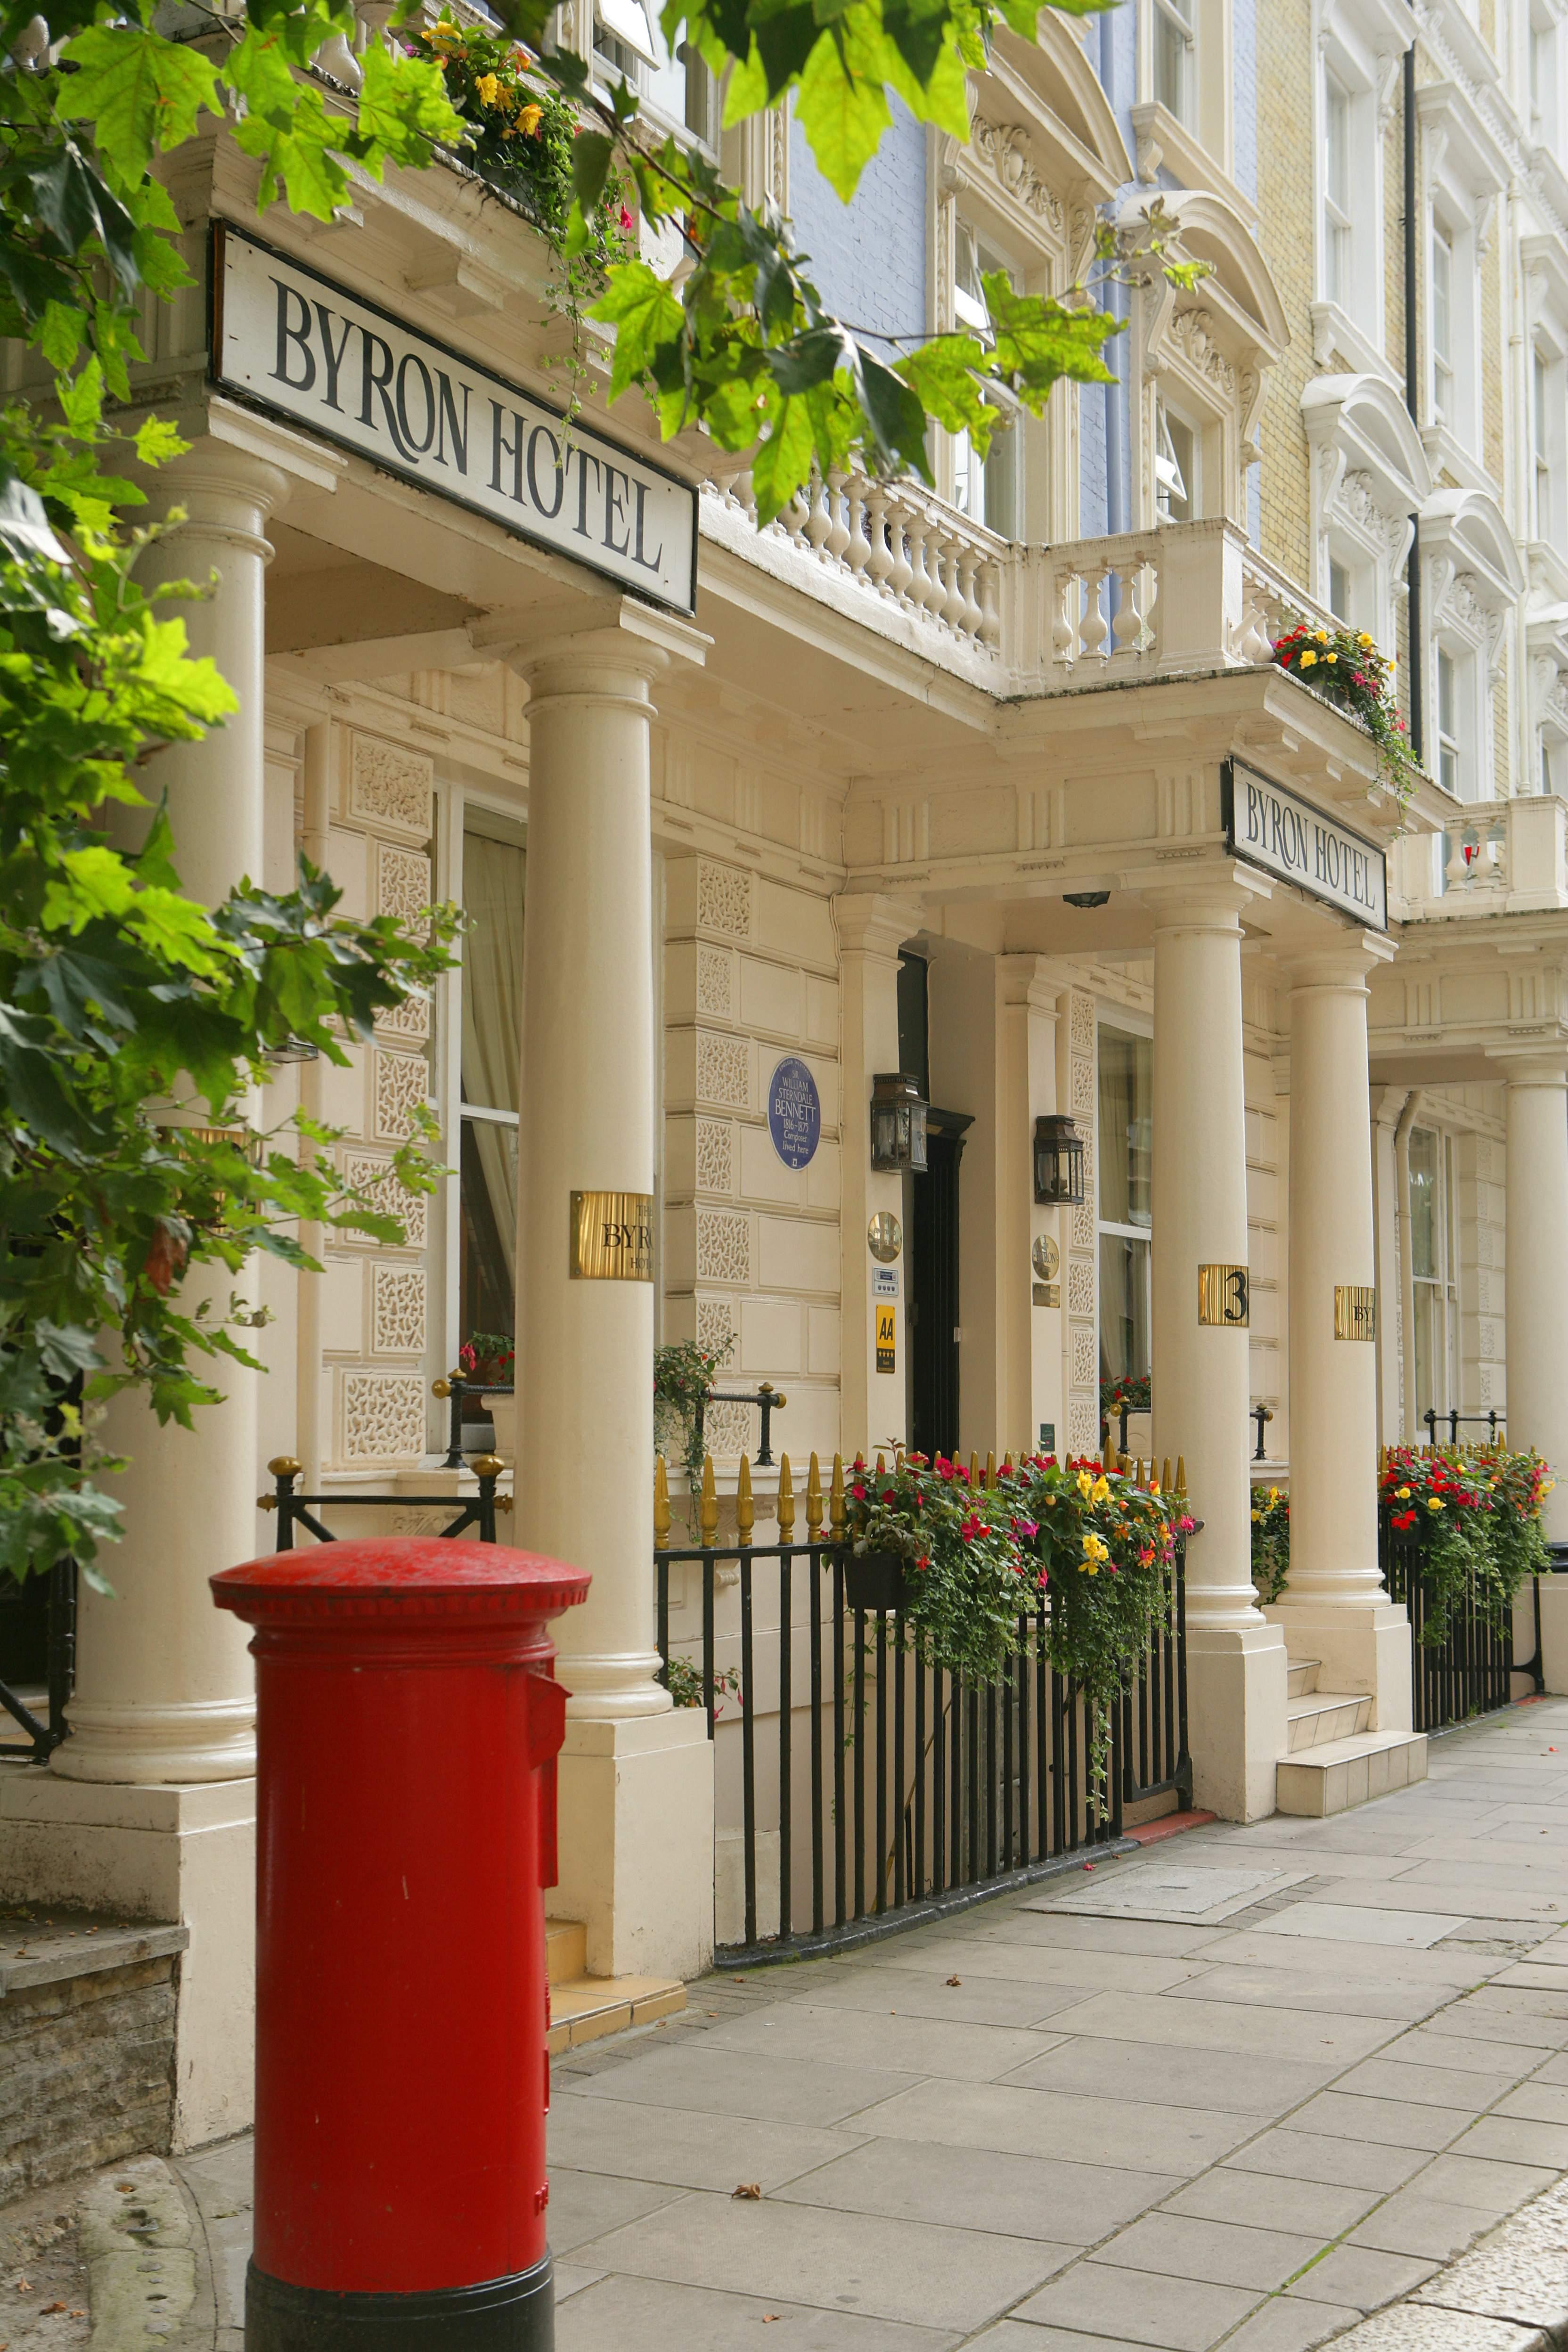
[
  {"x": 402, "y": 882},
  {"x": 1083, "y": 1087},
  {"x": 715, "y": 1156},
  {"x": 723, "y": 1070},
  {"x": 1082, "y": 1019},
  {"x": 389, "y": 785},
  {"x": 724, "y": 1246},
  {"x": 1002, "y": 148},
  {"x": 1193, "y": 333},
  {"x": 1084, "y": 1359},
  {"x": 1080, "y": 1285},
  {"x": 410, "y": 1019},
  {"x": 1083, "y": 1426},
  {"x": 402, "y": 1084},
  {"x": 397, "y": 1310},
  {"x": 727, "y": 1429},
  {"x": 715, "y": 992},
  {"x": 1083, "y": 1226},
  {"x": 723, "y": 899},
  {"x": 715, "y": 1325},
  {"x": 388, "y": 1198},
  {"x": 1356, "y": 501},
  {"x": 383, "y": 1416}
]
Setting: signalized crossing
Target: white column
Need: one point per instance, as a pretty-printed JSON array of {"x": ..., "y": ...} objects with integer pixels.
[
  {"x": 164, "y": 1690},
  {"x": 1537, "y": 1280},
  {"x": 1236, "y": 1659},
  {"x": 1026, "y": 996},
  {"x": 870, "y": 932},
  {"x": 1335, "y": 1608},
  {"x": 635, "y": 1778}
]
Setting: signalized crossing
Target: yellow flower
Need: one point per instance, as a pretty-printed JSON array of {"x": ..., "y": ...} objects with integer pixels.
[
  {"x": 1320, "y": 636},
  {"x": 1333, "y": 657},
  {"x": 1308, "y": 661},
  {"x": 1434, "y": 1502},
  {"x": 1093, "y": 1550},
  {"x": 489, "y": 89},
  {"x": 1273, "y": 1497},
  {"x": 1089, "y": 1568},
  {"x": 1403, "y": 1493},
  {"x": 1085, "y": 1482},
  {"x": 1154, "y": 1485},
  {"x": 1100, "y": 1491},
  {"x": 1256, "y": 1516},
  {"x": 1364, "y": 640},
  {"x": 529, "y": 119}
]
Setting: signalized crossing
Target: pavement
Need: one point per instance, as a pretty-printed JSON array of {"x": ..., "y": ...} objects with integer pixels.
[{"x": 1245, "y": 2088}]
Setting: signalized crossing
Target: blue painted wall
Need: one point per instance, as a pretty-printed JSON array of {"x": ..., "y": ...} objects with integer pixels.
[{"x": 869, "y": 257}]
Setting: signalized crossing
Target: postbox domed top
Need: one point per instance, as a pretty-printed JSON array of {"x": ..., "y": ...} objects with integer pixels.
[{"x": 400, "y": 1576}]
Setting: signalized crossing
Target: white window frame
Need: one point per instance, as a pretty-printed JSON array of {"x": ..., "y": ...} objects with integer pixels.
[
  {"x": 972, "y": 476},
  {"x": 1173, "y": 35},
  {"x": 1126, "y": 1024},
  {"x": 1542, "y": 110},
  {"x": 635, "y": 33},
  {"x": 1436, "y": 1295}
]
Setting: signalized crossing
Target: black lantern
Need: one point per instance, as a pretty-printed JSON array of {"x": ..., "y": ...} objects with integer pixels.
[
  {"x": 897, "y": 1122},
  {"x": 1059, "y": 1159}
]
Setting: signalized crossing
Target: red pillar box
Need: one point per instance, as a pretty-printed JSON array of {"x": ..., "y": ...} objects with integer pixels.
[{"x": 408, "y": 1727}]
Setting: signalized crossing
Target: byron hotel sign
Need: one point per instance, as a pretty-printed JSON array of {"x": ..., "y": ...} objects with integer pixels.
[
  {"x": 287, "y": 339},
  {"x": 1270, "y": 826}
]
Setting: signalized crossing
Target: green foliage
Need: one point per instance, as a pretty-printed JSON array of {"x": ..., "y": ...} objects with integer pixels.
[
  {"x": 1270, "y": 1542},
  {"x": 1471, "y": 1522},
  {"x": 683, "y": 1377},
  {"x": 970, "y": 1592},
  {"x": 1345, "y": 668},
  {"x": 682, "y": 1678}
]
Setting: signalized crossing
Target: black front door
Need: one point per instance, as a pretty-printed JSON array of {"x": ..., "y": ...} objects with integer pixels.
[{"x": 933, "y": 1288}]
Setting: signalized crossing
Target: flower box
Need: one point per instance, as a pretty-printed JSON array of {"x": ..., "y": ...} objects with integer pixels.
[{"x": 877, "y": 1581}]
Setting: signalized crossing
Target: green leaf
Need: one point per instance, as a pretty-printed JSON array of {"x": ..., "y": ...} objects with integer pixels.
[
  {"x": 843, "y": 113},
  {"x": 158, "y": 441},
  {"x": 783, "y": 460},
  {"x": 404, "y": 106},
  {"x": 590, "y": 155},
  {"x": 140, "y": 93},
  {"x": 59, "y": 336},
  {"x": 644, "y": 312}
]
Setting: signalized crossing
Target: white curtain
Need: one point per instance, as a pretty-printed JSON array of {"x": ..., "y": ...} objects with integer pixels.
[{"x": 493, "y": 877}]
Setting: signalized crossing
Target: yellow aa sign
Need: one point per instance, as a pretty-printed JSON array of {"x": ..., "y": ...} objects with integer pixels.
[{"x": 886, "y": 1315}]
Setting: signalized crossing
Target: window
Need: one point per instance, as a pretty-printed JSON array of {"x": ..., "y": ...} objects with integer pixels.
[
  {"x": 494, "y": 869},
  {"x": 1543, "y": 81},
  {"x": 1126, "y": 1168},
  {"x": 1336, "y": 193},
  {"x": 629, "y": 41},
  {"x": 1338, "y": 590},
  {"x": 1433, "y": 1270},
  {"x": 1176, "y": 447},
  {"x": 1541, "y": 461},
  {"x": 1442, "y": 326},
  {"x": 989, "y": 488},
  {"x": 1174, "y": 46},
  {"x": 1448, "y": 766}
]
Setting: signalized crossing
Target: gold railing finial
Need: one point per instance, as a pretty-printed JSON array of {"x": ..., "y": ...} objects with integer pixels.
[
  {"x": 660, "y": 1504},
  {"x": 786, "y": 1501},
  {"x": 837, "y": 1515},
  {"x": 813, "y": 1502},
  {"x": 709, "y": 1508}
]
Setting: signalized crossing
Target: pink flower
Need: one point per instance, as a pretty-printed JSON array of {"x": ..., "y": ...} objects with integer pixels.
[
  {"x": 626, "y": 218},
  {"x": 1027, "y": 1528}
]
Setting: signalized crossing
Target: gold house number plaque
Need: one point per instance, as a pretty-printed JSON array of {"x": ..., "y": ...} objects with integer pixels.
[
  {"x": 1355, "y": 1312},
  {"x": 1223, "y": 1296},
  {"x": 612, "y": 1236}
]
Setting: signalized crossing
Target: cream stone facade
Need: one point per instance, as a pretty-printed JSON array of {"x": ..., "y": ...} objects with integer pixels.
[{"x": 978, "y": 747}]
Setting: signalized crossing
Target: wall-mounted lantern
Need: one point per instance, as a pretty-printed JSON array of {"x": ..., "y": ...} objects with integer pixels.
[
  {"x": 1059, "y": 1159},
  {"x": 897, "y": 1122}
]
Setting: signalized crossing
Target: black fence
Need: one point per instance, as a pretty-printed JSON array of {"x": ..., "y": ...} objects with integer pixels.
[
  {"x": 478, "y": 1514},
  {"x": 38, "y": 1643},
  {"x": 872, "y": 1790},
  {"x": 1471, "y": 1670}
]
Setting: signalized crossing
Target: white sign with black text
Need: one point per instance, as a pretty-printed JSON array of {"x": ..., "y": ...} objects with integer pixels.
[
  {"x": 1275, "y": 828},
  {"x": 292, "y": 341}
]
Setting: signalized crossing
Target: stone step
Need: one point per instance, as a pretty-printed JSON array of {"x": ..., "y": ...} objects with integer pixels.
[
  {"x": 1303, "y": 1676},
  {"x": 589, "y": 2007},
  {"x": 565, "y": 1950},
  {"x": 1340, "y": 1773},
  {"x": 1324, "y": 1716}
]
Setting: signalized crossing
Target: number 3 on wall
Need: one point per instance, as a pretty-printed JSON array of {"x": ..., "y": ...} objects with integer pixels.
[{"x": 1225, "y": 1296}]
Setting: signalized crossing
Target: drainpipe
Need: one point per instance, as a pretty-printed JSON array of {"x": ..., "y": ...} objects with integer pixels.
[
  {"x": 1115, "y": 430},
  {"x": 1407, "y": 1119},
  {"x": 1412, "y": 402},
  {"x": 317, "y": 781}
]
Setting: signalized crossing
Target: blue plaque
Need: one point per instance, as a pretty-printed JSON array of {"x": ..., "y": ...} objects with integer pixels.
[{"x": 794, "y": 1112}]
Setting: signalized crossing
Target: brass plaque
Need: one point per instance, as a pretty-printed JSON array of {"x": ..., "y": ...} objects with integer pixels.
[
  {"x": 884, "y": 1236},
  {"x": 1355, "y": 1312},
  {"x": 1045, "y": 1257},
  {"x": 612, "y": 1236},
  {"x": 1047, "y": 1294},
  {"x": 1225, "y": 1296}
]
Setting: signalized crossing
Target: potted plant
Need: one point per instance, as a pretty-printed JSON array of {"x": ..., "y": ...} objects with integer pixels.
[
  {"x": 928, "y": 1539},
  {"x": 1270, "y": 1542},
  {"x": 683, "y": 1379},
  {"x": 488, "y": 1361}
]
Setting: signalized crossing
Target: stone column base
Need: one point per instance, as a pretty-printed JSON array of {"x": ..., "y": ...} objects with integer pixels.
[
  {"x": 1235, "y": 1717},
  {"x": 637, "y": 1842},
  {"x": 1360, "y": 1647},
  {"x": 1553, "y": 1631},
  {"x": 183, "y": 1854}
]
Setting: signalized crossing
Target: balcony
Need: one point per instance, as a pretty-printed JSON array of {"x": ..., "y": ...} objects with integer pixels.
[
  {"x": 1494, "y": 857},
  {"x": 892, "y": 557}
]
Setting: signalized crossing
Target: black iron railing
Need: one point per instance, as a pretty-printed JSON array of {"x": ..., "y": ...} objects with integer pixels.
[
  {"x": 1456, "y": 1421},
  {"x": 1470, "y": 1671},
  {"x": 49, "y": 1600},
  {"x": 479, "y": 1512},
  {"x": 767, "y": 1400},
  {"x": 888, "y": 1791},
  {"x": 456, "y": 1388}
]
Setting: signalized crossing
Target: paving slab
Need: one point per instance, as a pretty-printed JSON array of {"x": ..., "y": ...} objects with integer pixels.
[
  {"x": 1247, "y": 2084},
  {"x": 1361, "y": 2277},
  {"x": 1177, "y": 1889},
  {"x": 619, "y": 2311},
  {"x": 1261, "y": 2201},
  {"x": 681, "y": 2149},
  {"x": 1048, "y": 2198},
  {"x": 1351, "y": 1923},
  {"x": 1120, "y": 2132},
  {"x": 927, "y": 1992},
  {"x": 1200, "y": 2024},
  {"x": 1306, "y": 2155},
  {"x": 881, "y": 2039},
  {"x": 1393, "y": 2123},
  {"x": 1174, "y": 2315},
  {"x": 1220, "y": 2254},
  {"x": 1412, "y": 2223},
  {"x": 919, "y": 2273},
  {"x": 743, "y": 2083},
  {"x": 1287, "y": 2324}
]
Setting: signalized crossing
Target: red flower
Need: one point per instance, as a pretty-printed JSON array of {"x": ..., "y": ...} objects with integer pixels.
[
  {"x": 626, "y": 218},
  {"x": 889, "y": 1497},
  {"x": 974, "y": 1526},
  {"x": 1403, "y": 1519},
  {"x": 859, "y": 1491}
]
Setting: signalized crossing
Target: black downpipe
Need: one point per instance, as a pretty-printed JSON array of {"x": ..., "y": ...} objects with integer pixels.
[{"x": 1411, "y": 400}]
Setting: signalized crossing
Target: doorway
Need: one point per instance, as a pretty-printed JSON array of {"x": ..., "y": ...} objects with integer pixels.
[{"x": 934, "y": 1287}]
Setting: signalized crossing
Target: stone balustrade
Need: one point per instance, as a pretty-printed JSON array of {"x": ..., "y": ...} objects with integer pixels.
[{"x": 1507, "y": 856}]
